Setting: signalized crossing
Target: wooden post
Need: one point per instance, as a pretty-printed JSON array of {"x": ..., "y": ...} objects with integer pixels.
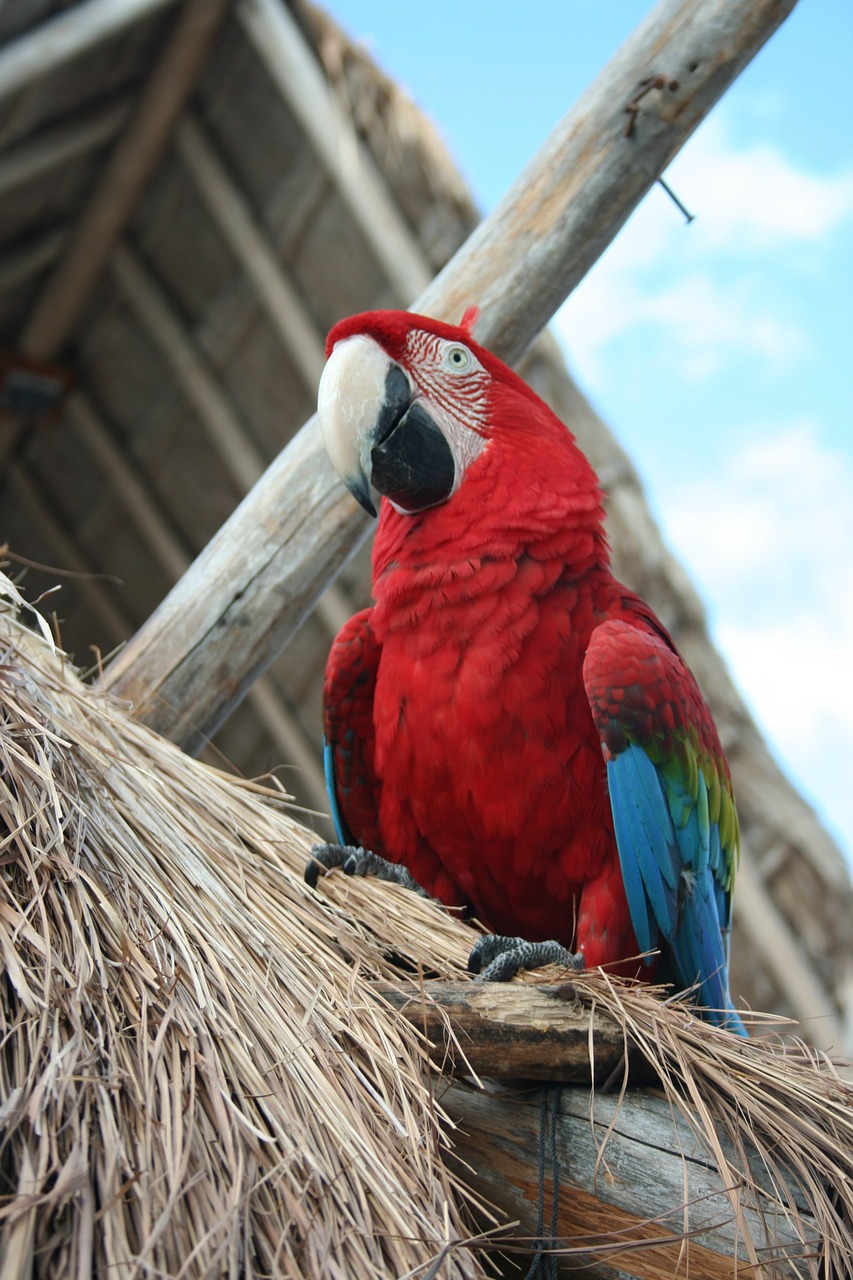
[
  {"x": 58, "y": 41},
  {"x": 253, "y": 585},
  {"x": 638, "y": 1195},
  {"x": 115, "y": 197}
]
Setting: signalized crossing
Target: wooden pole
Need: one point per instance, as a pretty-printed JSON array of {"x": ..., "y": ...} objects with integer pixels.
[
  {"x": 58, "y": 41},
  {"x": 132, "y": 161},
  {"x": 256, "y": 581},
  {"x": 638, "y": 1195}
]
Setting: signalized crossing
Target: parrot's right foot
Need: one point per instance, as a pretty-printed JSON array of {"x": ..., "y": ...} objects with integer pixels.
[
  {"x": 497, "y": 958},
  {"x": 357, "y": 862}
]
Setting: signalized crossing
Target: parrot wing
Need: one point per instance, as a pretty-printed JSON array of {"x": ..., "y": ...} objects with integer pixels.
[
  {"x": 348, "y": 733},
  {"x": 671, "y": 797}
]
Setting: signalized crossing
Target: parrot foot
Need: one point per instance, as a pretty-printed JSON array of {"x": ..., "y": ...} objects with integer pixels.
[
  {"x": 357, "y": 862},
  {"x": 497, "y": 958}
]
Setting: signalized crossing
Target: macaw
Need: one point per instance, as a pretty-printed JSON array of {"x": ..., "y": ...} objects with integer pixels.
[{"x": 507, "y": 726}]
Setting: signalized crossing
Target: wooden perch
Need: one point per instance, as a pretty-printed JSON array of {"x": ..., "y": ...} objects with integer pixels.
[
  {"x": 635, "y": 1176},
  {"x": 511, "y": 1032},
  {"x": 248, "y": 592},
  {"x": 633, "y": 1182}
]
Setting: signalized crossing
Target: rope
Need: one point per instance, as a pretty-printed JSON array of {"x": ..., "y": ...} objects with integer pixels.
[{"x": 544, "y": 1264}]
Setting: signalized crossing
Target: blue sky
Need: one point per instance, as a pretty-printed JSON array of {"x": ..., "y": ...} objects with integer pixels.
[{"x": 720, "y": 353}]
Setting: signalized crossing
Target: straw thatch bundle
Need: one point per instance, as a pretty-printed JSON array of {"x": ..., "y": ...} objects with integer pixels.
[
  {"x": 195, "y": 1079},
  {"x": 198, "y": 1078}
]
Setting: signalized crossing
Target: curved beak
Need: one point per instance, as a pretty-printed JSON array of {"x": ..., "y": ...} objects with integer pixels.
[{"x": 378, "y": 434}]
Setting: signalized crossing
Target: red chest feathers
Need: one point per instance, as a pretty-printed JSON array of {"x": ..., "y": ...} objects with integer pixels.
[{"x": 485, "y": 743}]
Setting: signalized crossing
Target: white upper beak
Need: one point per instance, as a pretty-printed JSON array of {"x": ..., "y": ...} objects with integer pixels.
[{"x": 349, "y": 401}]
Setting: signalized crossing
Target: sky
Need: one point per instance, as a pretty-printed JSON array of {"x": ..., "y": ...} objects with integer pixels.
[{"x": 721, "y": 353}]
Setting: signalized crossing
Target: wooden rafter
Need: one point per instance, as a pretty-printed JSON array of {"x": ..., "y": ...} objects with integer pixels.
[
  {"x": 57, "y": 146},
  {"x": 116, "y": 624},
  {"x": 41, "y": 252},
  {"x": 242, "y": 459},
  {"x": 225, "y": 431},
  {"x": 291, "y": 63},
  {"x": 164, "y": 544},
  {"x": 230, "y": 210},
  {"x": 133, "y": 159},
  {"x": 275, "y": 293},
  {"x": 65, "y": 37}
]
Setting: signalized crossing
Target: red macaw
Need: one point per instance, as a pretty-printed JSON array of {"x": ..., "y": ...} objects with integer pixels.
[{"x": 508, "y": 722}]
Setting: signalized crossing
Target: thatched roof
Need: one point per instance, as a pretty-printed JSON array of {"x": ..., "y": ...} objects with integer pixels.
[
  {"x": 194, "y": 352},
  {"x": 200, "y": 1075},
  {"x": 195, "y": 1077}
]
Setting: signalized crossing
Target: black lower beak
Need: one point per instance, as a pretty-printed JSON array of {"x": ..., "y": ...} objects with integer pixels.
[
  {"x": 411, "y": 461},
  {"x": 414, "y": 466}
]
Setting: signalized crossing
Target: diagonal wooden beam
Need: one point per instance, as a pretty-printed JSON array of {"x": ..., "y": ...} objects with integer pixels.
[
  {"x": 115, "y": 197},
  {"x": 226, "y": 432},
  {"x": 116, "y": 625},
  {"x": 57, "y": 146},
  {"x": 67, "y": 36},
  {"x": 293, "y": 66},
  {"x": 168, "y": 550},
  {"x": 253, "y": 585},
  {"x": 230, "y": 210}
]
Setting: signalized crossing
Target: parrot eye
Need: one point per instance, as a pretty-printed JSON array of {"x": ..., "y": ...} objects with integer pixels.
[{"x": 458, "y": 359}]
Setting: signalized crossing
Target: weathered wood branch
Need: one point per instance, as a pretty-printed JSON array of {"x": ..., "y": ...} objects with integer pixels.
[
  {"x": 513, "y": 1032},
  {"x": 635, "y": 1174},
  {"x": 252, "y": 587},
  {"x": 639, "y": 1195}
]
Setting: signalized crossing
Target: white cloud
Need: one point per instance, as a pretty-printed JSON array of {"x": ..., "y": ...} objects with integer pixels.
[
  {"x": 769, "y": 538},
  {"x": 703, "y": 290},
  {"x": 700, "y": 323},
  {"x": 754, "y": 198},
  {"x": 778, "y": 509}
]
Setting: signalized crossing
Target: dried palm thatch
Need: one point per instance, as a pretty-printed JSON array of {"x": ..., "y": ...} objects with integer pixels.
[
  {"x": 773, "y": 1113},
  {"x": 196, "y": 1075}
]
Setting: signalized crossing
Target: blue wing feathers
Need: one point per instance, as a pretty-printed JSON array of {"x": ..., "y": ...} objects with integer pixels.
[
  {"x": 332, "y": 792},
  {"x": 646, "y": 843},
  {"x": 672, "y": 875}
]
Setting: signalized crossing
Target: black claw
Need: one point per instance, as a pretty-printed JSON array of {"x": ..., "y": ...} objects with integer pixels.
[
  {"x": 489, "y": 947},
  {"x": 324, "y": 857},
  {"x": 497, "y": 958},
  {"x": 357, "y": 862}
]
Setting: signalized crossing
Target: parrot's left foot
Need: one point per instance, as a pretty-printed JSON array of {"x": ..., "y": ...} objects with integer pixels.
[
  {"x": 497, "y": 958},
  {"x": 357, "y": 862}
]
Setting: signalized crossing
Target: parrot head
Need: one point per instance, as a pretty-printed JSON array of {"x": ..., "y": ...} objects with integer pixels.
[
  {"x": 408, "y": 403},
  {"x": 402, "y": 405}
]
